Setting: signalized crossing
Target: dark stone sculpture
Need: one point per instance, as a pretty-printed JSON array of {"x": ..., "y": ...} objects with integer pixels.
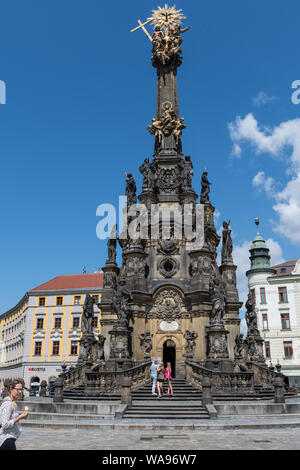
[
  {"x": 205, "y": 188},
  {"x": 251, "y": 316},
  {"x": 238, "y": 347},
  {"x": 112, "y": 245},
  {"x": 121, "y": 299},
  {"x": 87, "y": 315},
  {"x": 148, "y": 176},
  {"x": 227, "y": 243},
  {"x": 190, "y": 344},
  {"x": 186, "y": 173},
  {"x": 130, "y": 189},
  {"x": 217, "y": 297},
  {"x": 146, "y": 343}
]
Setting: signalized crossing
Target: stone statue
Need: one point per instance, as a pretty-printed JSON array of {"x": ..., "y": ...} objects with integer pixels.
[
  {"x": 121, "y": 299},
  {"x": 205, "y": 188},
  {"x": 146, "y": 343},
  {"x": 226, "y": 243},
  {"x": 112, "y": 245},
  {"x": 130, "y": 189},
  {"x": 167, "y": 125},
  {"x": 101, "y": 341},
  {"x": 190, "y": 344},
  {"x": 146, "y": 170},
  {"x": 251, "y": 316},
  {"x": 186, "y": 173},
  {"x": 87, "y": 315},
  {"x": 217, "y": 297},
  {"x": 238, "y": 347}
]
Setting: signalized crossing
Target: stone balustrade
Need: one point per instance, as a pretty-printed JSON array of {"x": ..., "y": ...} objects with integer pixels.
[
  {"x": 105, "y": 381},
  {"x": 221, "y": 382}
]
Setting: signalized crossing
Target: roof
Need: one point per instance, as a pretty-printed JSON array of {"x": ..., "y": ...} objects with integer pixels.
[
  {"x": 285, "y": 269},
  {"x": 73, "y": 281}
]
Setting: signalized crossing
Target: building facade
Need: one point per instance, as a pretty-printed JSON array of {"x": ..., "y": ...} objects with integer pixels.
[
  {"x": 43, "y": 331},
  {"x": 276, "y": 291}
]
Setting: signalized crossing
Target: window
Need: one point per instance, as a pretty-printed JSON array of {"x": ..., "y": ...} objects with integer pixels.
[
  {"x": 55, "y": 348},
  {"x": 282, "y": 294},
  {"x": 39, "y": 323},
  {"x": 76, "y": 322},
  {"x": 38, "y": 348},
  {"x": 96, "y": 298},
  {"x": 42, "y": 301},
  {"x": 288, "y": 349},
  {"x": 263, "y": 295},
  {"x": 74, "y": 348},
  {"x": 77, "y": 299},
  {"x": 265, "y": 325},
  {"x": 95, "y": 322},
  {"x": 285, "y": 321},
  {"x": 252, "y": 293},
  {"x": 57, "y": 322},
  {"x": 267, "y": 349},
  {"x": 59, "y": 300}
]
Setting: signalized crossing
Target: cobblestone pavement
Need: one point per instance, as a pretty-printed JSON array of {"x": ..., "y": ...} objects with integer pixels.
[{"x": 145, "y": 439}]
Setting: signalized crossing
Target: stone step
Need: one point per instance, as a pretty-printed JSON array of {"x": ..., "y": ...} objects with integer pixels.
[{"x": 166, "y": 417}]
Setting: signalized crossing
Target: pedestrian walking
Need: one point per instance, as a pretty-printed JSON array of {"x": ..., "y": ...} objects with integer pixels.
[
  {"x": 168, "y": 376},
  {"x": 160, "y": 379},
  {"x": 153, "y": 374},
  {"x": 10, "y": 428}
]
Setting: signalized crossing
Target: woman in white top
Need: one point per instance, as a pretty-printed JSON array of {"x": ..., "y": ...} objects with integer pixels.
[{"x": 10, "y": 428}]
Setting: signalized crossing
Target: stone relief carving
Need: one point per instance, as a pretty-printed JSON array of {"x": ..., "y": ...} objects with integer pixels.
[{"x": 168, "y": 305}]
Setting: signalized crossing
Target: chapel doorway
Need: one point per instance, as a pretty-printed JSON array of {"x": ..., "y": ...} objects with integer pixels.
[{"x": 169, "y": 355}]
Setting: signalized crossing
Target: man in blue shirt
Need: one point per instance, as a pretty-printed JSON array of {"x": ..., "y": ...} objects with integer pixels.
[{"x": 153, "y": 374}]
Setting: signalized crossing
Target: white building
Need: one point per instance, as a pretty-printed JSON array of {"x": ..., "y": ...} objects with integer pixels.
[
  {"x": 42, "y": 331},
  {"x": 277, "y": 294}
]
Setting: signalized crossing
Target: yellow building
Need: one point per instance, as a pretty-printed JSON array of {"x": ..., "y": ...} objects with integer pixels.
[{"x": 42, "y": 331}]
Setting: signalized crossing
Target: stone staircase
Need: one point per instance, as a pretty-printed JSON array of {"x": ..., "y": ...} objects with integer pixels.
[{"x": 185, "y": 403}]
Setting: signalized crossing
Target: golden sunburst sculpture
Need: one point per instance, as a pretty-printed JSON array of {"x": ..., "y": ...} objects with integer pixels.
[{"x": 166, "y": 17}]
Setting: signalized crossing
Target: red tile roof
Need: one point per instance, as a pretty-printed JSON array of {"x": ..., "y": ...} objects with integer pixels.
[
  {"x": 285, "y": 269},
  {"x": 74, "y": 281}
]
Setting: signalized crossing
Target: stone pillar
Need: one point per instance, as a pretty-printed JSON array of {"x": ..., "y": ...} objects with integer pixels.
[
  {"x": 126, "y": 398},
  {"x": 279, "y": 390},
  {"x": 217, "y": 349},
  {"x": 207, "y": 398},
  {"x": 58, "y": 390}
]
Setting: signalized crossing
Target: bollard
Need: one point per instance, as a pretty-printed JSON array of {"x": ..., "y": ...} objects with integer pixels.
[
  {"x": 126, "y": 391},
  {"x": 43, "y": 388},
  {"x": 279, "y": 390},
  {"x": 207, "y": 398},
  {"x": 58, "y": 390}
]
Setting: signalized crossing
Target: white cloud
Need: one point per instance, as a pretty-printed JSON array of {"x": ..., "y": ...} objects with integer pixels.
[
  {"x": 262, "y": 98},
  {"x": 282, "y": 138},
  {"x": 266, "y": 183}
]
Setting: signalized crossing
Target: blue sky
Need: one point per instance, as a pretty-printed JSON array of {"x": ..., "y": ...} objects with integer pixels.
[{"x": 80, "y": 93}]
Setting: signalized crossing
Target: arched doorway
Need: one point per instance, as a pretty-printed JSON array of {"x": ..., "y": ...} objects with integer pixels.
[{"x": 169, "y": 355}]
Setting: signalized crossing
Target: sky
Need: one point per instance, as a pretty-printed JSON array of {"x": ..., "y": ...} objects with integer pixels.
[{"x": 80, "y": 92}]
